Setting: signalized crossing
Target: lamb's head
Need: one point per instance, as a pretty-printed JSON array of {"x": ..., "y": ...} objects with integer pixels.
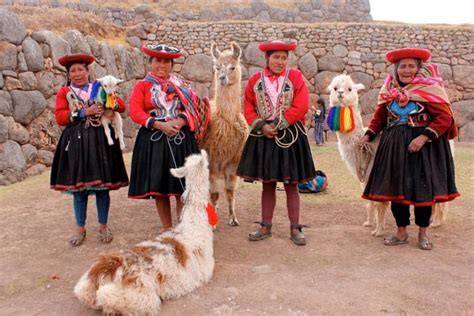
[
  {"x": 195, "y": 170},
  {"x": 343, "y": 92},
  {"x": 227, "y": 70},
  {"x": 109, "y": 83}
]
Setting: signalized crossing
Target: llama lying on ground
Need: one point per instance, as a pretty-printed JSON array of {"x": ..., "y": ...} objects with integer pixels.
[
  {"x": 359, "y": 161},
  {"x": 108, "y": 85},
  {"x": 227, "y": 131},
  {"x": 135, "y": 281}
]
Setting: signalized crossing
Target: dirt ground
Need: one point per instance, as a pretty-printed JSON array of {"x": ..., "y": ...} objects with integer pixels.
[{"x": 342, "y": 270}]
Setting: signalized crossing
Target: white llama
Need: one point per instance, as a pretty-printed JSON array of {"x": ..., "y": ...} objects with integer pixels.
[
  {"x": 135, "y": 281},
  {"x": 359, "y": 161},
  {"x": 227, "y": 130}
]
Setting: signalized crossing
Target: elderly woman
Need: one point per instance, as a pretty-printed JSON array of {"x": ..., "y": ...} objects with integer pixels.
[
  {"x": 170, "y": 115},
  {"x": 84, "y": 163},
  {"x": 277, "y": 150},
  {"x": 413, "y": 164}
]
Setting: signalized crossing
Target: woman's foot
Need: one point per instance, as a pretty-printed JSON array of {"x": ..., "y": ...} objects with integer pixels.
[
  {"x": 296, "y": 235},
  {"x": 105, "y": 234},
  {"x": 78, "y": 238},
  {"x": 394, "y": 240},
  {"x": 263, "y": 232}
]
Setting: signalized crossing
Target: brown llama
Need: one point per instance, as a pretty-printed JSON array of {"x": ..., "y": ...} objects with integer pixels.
[{"x": 227, "y": 130}]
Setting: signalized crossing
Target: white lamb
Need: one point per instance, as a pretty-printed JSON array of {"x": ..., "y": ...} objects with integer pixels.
[
  {"x": 109, "y": 84},
  {"x": 135, "y": 281}
]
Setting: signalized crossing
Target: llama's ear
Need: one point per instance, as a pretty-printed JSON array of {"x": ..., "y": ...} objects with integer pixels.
[
  {"x": 101, "y": 80},
  {"x": 331, "y": 85},
  {"x": 119, "y": 81},
  {"x": 358, "y": 86},
  {"x": 215, "y": 52},
  {"x": 179, "y": 172},
  {"x": 205, "y": 158},
  {"x": 236, "y": 50}
]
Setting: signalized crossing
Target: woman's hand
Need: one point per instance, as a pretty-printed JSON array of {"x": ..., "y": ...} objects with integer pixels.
[
  {"x": 94, "y": 110},
  {"x": 417, "y": 143},
  {"x": 270, "y": 130},
  {"x": 168, "y": 128},
  {"x": 178, "y": 122}
]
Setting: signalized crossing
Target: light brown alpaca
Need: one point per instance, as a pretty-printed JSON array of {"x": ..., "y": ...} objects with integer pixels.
[{"x": 227, "y": 131}]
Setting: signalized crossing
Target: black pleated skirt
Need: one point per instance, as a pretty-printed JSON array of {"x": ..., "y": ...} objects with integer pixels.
[
  {"x": 420, "y": 178},
  {"x": 154, "y": 155},
  {"x": 263, "y": 160},
  {"x": 84, "y": 160}
]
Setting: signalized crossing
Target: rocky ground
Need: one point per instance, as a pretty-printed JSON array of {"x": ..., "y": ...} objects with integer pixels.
[{"x": 342, "y": 270}]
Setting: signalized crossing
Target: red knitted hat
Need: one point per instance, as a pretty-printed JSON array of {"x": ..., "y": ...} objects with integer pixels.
[
  {"x": 76, "y": 58},
  {"x": 161, "y": 51},
  {"x": 276, "y": 45},
  {"x": 418, "y": 53}
]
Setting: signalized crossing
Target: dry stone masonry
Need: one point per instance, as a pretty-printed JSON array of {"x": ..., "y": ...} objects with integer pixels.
[
  {"x": 30, "y": 75},
  {"x": 310, "y": 11}
]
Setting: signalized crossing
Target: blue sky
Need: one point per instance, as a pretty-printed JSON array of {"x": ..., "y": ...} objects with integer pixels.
[{"x": 423, "y": 11}]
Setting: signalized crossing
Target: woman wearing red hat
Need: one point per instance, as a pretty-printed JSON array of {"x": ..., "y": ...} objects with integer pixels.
[
  {"x": 84, "y": 163},
  {"x": 172, "y": 116},
  {"x": 413, "y": 164},
  {"x": 277, "y": 150}
]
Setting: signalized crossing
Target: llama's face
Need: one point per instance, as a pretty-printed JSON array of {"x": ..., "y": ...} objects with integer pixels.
[
  {"x": 343, "y": 91},
  {"x": 227, "y": 64},
  {"x": 109, "y": 83},
  {"x": 195, "y": 169}
]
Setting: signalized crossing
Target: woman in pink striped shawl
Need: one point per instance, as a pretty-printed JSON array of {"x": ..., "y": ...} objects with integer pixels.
[{"x": 413, "y": 164}]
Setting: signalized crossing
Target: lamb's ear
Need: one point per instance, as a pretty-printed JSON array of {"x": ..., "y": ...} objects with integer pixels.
[
  {"x": 358, "y": 86},
  {"x": 236, "y": 50},
  {"x": 101, "y": 80},
  {"x": 215, "y": 52},
  {"x": 179, "y": 172},
  {"x": 119, "y": 81},
  {"x": 331, "y": 85}
]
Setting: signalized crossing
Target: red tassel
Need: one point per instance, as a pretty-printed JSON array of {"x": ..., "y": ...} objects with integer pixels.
[{"x": 212, "y": 215}]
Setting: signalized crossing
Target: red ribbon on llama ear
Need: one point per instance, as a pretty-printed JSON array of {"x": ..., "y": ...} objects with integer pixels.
[{"x": 212, "y": 215}]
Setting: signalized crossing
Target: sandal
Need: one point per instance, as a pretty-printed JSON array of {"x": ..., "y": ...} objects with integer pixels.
[
  {"x": 77, "y": 239},
  {"x": 298, "y": 238},
  {"x": 259, "y": 235},
  {"x": 106, "y": 236},
  {"x": 393, "y": 240},
  {"x": 424, "y": 243}
]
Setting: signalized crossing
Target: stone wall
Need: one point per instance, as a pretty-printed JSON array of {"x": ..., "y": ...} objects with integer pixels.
[
  {"x": 311, "y": 11},
  {"x": 30, "y": 74}
]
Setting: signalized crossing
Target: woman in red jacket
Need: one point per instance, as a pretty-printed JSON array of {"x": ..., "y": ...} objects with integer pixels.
[
  {"x": 277, "y": 150},
  {"x": 84, "y": 163},
  {"x": 413, "y": 164},
  {"x": 168, "y": 111}
]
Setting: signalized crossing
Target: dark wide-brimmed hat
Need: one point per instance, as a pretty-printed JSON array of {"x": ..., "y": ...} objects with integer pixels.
[
  {"x": 161, "y": 51},
  {"x": 276, "y": 45},
  {"x": 68, "y": 60},
  {"x": 418, "y": 53}
]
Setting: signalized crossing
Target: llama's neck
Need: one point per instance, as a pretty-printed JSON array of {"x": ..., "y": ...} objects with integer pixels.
[
  {"x": 195, "y": 203},
  {"x": 228, "y": 100},
  {"x": 356, "y": 132}
]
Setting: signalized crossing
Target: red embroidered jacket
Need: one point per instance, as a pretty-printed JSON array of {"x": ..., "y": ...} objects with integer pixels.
[
  {"x": 297, "y": 109},
  {"x": 141, "y": 104},
  {"x": 62, "y": 111},
  {"x": 440, "y": 120}
]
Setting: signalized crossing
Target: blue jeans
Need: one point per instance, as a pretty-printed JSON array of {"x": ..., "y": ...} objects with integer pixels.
[
  {"x": 80, "y": 206},
  {"x": 319, "y": 133}
]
